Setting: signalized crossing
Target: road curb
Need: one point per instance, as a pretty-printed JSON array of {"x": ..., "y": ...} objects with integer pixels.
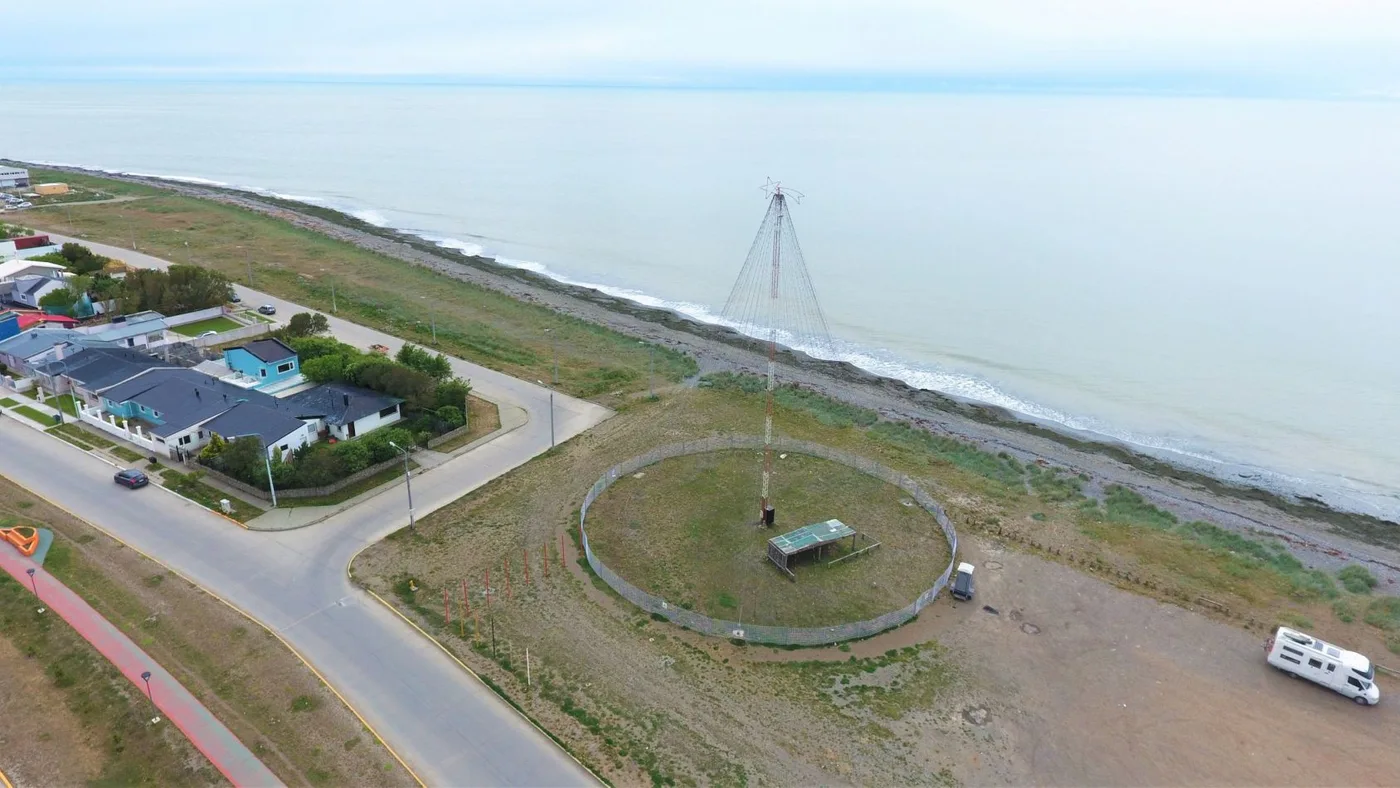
[
  {"x": 553, "y": 740},
  {"x": 240, "y": 611}
]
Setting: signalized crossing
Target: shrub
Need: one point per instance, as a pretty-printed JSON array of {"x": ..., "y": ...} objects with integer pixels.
[
  {"x": 452, "y": 391},
  {"x": 354, "y": 456},
  {"x": 1357, "y": 579},
  {"x": 451, "y": 415},
  {"x": 1384, "y": 613}
]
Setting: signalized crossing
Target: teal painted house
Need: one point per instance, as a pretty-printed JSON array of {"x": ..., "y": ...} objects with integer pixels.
[{"x": 269, "y": 361}]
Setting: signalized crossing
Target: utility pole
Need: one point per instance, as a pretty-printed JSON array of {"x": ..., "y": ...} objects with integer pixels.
[
  {"x": 248, "y": 258},
  {"x": 551, "y": 414},
  {"x": 267, "y": 461},
  {"x": 408, "y": 480}
]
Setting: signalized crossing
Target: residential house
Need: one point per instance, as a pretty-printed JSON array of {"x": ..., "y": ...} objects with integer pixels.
[
  {"x": 28, "y": 320},
  {"x": 139, "y": 329},
  {"x": 90, "y": 371},
  {"x": 41, "y": 345},
  {"x": 179, "y": 407},
  {"x": 30, "y": 290},
  {"x": 269, "y": 361},
  {"x": 277, "y": 428},
  {"x": 25, "y": 246},
  {"x": 17, "y": 269},
  {"x": 345, "y": 411}
]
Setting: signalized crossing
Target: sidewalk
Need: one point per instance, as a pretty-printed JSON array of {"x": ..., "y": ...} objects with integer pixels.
[{"x": 175, "y": 703}]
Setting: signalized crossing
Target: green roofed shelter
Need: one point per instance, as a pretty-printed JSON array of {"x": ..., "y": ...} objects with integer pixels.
[{"x": 782, "y": 548}]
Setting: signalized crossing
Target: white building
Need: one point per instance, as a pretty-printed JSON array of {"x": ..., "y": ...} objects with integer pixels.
[{"x": 14, "y": 178}]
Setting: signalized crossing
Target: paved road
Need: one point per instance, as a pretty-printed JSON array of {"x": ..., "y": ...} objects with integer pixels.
[
  {"x": 451, "y": 729},
  {"x": 176, "y": 704}
]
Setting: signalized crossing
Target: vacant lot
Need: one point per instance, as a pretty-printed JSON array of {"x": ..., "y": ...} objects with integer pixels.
[
  {"x": 473, "y": 323},
  {"x": 247, "y": 678},
  {"x": 685, "y": 529},
  {"x": 957, "y": 695},
  {"x": 67, "y": 717}
]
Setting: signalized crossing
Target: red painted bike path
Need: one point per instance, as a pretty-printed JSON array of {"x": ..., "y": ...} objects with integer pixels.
[{"x": 175, "y": 703}]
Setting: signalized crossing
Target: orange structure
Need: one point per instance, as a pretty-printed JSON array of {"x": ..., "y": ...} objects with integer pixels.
[{"x": 26, "y": 543}]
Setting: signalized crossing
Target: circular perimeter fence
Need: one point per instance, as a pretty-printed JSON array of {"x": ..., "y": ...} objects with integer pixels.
[{"x": 787, "y": 636}]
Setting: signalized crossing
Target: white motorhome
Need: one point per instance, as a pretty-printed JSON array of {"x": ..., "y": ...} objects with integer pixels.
[{"x": 1304, "y": 656}]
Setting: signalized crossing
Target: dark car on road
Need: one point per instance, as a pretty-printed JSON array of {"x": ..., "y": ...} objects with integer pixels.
[
  {"x": 268, "y": 309},
  {"x": 131, "y": 478}
]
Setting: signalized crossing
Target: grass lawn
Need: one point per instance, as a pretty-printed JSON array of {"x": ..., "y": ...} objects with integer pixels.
[
  {"x": 34, "y": 415},
  {"x": 686, "y": 531},
  {"x": 474, "y": 323},
  {"x": 101, "y": 720},
  {"x": 348, "y": 492},
  {"x": 484, "y": 418},
  {"x": 86, "y": 436},
  {"x": 189, "y": 485},
  {"x": 7, "y": 402},
  {"x": 90, "y": 729},
  {"x": 219, "y": 324},
  {"x": 126, "y": 454}
]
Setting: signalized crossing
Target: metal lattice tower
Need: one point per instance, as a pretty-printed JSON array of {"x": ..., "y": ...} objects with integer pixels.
[{"x": 773, "y": 299}]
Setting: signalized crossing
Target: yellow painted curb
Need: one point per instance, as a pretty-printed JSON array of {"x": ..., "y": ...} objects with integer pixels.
[
  {"x": 246, "y": 615},
  {"x": 350, "y": 574}
]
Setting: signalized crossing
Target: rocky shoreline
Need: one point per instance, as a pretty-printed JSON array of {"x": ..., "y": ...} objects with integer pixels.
[{"x": 1320, "y": 535}]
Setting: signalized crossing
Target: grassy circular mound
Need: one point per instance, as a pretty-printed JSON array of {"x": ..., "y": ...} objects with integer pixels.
[{"x": 685, "y": 529}]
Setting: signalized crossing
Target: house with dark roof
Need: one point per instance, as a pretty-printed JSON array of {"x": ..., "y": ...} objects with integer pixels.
[
  {"x": 90, "y": 371},
  {"x": 269, "y": 361},
  {"x": 277, "y": 429},
  {"x": 177, "y": 406},
  {"x": 344, "y": 411}
]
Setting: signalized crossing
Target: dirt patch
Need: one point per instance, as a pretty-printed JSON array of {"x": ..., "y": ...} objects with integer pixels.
[
  {"x": 43, "y": 742},
  {"x": 239, "y": 670}
]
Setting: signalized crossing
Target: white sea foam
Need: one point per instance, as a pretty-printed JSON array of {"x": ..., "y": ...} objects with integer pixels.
[
  {"x": 1346, "y": 493},
  {"x": 371, "y": 216}
]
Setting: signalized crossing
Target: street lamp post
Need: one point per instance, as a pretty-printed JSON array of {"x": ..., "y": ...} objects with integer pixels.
[
  {"x": 408, "y": 482},
  {"x": 32, "y": 584},
  {"x": 267, "y": 463},
  {"x": 146, "y": 677}
]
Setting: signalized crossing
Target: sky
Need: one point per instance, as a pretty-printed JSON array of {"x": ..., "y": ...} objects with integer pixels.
[{"x": 1346, "y": 48}]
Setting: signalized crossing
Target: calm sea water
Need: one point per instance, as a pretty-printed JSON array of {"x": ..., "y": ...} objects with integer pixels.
[{"x": 1215, "y": 280}]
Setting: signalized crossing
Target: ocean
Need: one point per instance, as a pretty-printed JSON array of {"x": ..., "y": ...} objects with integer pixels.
[{"x": 1212, "y": 280}]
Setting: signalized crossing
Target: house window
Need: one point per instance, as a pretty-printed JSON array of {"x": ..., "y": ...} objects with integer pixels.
[
  {"x": 284, "y": 448},
  {"x": 287, "y": 367},
  {"x": 262, "y": 373},
  {"x": 185, "y": 441},
  {"x": 201, "y": 434},
  {"x": 155, "y": 413},
  {"x": 389, "y": 411},
  {"x": 131, "y": 342}
]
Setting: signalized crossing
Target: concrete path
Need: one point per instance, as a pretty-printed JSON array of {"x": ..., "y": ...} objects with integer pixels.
[
  {"x": 446, "y": 725},
  {"x": 175, "y": 703}
]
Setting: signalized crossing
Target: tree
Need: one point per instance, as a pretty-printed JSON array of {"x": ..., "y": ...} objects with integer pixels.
[
  {"x": 82, "y": 260},
  {"x": 451, "y": 415},
  {"x": 60, "y": 300},
  {"x": 306, "y": 324},
  {"x": 184, "y": 288},
  {"x": 324, "y": 369},
  {"x": 243, "y": 459},
  {"x": 436, "y": 365},
  {"x": 354, "y": 456},
  {"x": 452, "y": 392},
  {"x": 315, "y": 347}
]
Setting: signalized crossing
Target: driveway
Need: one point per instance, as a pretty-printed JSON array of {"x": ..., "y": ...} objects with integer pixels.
[{"x": 450, "y": 728}]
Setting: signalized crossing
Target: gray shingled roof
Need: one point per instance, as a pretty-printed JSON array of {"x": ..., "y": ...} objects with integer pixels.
[
  {"x": 98, "y": 368},
  {"x": 338, "y": 403},
  {"x": 184, "y": 397},
  {"x": 248, "y": 418}
]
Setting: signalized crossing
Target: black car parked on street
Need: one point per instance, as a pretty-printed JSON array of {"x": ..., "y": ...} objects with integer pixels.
[{"x": 131, "y": 478}]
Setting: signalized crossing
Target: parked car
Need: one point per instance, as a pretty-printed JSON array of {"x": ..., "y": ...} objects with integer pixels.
[
  {"x": 131, "y": 478},
  {"x": 268, "y": 309},
  {"x": 962, "y": 582},
  {"x": 234, "y": 299}
]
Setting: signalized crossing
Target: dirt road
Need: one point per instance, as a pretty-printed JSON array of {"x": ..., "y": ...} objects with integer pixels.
[{"x": 1085, "y": 684}]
